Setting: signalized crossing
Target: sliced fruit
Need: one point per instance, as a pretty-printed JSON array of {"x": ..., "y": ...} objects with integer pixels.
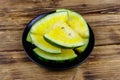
[
  {"x": 64, "y": 36},
  {"x": 39, "y": 41},
  {"x": 44, "y": 25},
  {"x": 77, "y": 23},
  {"x": 28, "y": 38},
  {"x": 82, "y": 48},
  {"x": 66, "y": 54}
]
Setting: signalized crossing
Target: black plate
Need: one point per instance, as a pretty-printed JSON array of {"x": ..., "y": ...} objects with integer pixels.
[{"x": 52, "y": 65}]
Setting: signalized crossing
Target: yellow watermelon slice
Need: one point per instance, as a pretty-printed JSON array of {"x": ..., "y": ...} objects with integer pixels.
[
  {"x": 77, "y": 23},
  {"x": 39, "y": 41},
  {"x": 66, "y": 54},
  {"x": 64, "y": 36},
  {"x": 44, "y": 25},
  {"x": 82, "y": 48}
]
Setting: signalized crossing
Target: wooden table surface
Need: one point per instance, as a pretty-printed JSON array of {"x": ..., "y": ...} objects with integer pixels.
[{"x": 103, "y": 17}]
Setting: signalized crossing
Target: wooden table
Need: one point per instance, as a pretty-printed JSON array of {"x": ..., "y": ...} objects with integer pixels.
[{"x": 103, "y": 17}]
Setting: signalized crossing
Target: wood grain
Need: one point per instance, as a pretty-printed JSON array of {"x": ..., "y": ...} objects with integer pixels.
[
  {"x": 102, "y": 16},
  {"x": 98, "y": 66},
  {"x": 103, "y": 63}
]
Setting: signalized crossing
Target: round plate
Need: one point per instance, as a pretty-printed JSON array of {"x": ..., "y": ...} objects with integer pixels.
[{"x": 28, "y": 47}]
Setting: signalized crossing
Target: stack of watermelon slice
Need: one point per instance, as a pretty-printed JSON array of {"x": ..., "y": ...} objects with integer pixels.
[{"x": 58, "y": 34}]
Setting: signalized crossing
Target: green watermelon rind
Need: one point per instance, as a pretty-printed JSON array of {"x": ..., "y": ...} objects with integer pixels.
[{"x": 38, "y": 52}]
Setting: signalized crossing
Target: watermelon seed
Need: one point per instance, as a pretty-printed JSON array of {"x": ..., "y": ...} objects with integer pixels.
[
  {"x": 62, "y": 27},
  {"x": 69, "y": 34}
]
